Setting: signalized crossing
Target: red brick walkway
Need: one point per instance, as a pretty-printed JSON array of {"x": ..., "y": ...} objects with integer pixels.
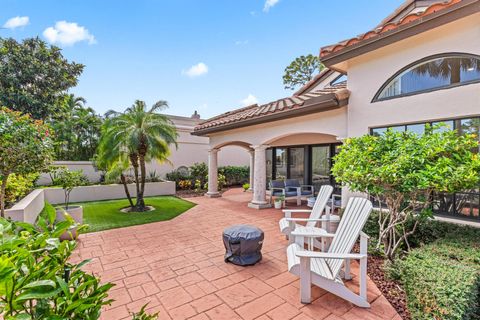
[{"x": 177, "y": 267}]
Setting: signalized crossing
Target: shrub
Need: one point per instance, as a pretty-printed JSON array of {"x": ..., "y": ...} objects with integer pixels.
[
  {"x": 246, "y": 186},
  {"x": 403, "y": 170},
  {"x": 185, "y": 184},
  {"x": 235, "y": 175},
  {"x": 18, "y": 187},
  {"x": 442, "y": 279},
  {"x": 199, "y": 171},
  {"x": 68, "y": 180},
  {"x": 177, "y": 176}
]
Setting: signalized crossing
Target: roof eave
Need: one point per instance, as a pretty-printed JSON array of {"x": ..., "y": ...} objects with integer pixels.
[
  {"x": 319, "y": 104},
  {"x": 428, "y": 22}
]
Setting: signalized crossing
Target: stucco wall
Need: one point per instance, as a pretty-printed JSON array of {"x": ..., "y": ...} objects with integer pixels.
[
  {"x": 28, "y": 208},
  {"x": 367, "y": 73},
  {"x": 329, "y": 124},
  {"x": 191, "y": 149},
  {"x": 107, "y": 192}
]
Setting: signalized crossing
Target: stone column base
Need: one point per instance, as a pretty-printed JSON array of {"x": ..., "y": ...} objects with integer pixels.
[
  {"x": 213, "y": 194},
  {"x": 259, "y": 205}
]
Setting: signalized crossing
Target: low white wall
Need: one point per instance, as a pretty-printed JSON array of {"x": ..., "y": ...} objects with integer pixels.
[
  {"x": 107, "y": 192},
  {"x": 28, "y": 208},
  {"x": 86, "y": 167}
]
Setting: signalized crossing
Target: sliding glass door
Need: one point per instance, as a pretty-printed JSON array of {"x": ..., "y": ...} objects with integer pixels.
[
  {"x": 309, "y": 164},
  {"x": 320, "y": 166}
]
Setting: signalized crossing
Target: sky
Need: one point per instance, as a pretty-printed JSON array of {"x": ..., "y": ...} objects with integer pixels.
[{"x": 207, "y": 55}]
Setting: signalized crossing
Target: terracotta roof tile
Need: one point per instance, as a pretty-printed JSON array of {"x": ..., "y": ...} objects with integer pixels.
[
  {"x": 325, "y": 51},
  {"x": 283, "y": 105}
]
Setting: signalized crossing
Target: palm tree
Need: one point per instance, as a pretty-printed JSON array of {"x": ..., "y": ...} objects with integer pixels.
[{"x": 139, "y": 135}]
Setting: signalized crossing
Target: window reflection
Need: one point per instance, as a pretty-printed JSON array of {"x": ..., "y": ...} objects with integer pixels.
[{"x": 439, "y": 72}]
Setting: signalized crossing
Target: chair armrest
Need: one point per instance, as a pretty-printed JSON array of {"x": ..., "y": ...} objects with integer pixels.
[
  {"x": 311, "y": 234},
  {"x": 297, "y": 210},
  {"x": 307, "y": 186},
  {"x": 307, "y": 219},
  {"x": 327, "y": 255}
]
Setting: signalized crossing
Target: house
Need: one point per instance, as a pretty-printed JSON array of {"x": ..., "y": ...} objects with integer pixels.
[
  {"x": 387, "y": 77},
  {"x": 191, "y": 149}
]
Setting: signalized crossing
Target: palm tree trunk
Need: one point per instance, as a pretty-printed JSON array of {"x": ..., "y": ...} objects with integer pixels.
[
  {"x": 455, "y": 71},
  {"x": 2, "y": 195},
  {"x": 134, "y": 161},
  {"x": 124, "y": 182},
  {"x": 140, "y": 199}
]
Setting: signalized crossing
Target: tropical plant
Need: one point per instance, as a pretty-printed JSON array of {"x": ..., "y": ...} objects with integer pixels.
[
  {"x": 301, "y": 70},
  {"x": 199, "y": 171},
  {"x": 35, "y": 76},
  {"x": 77, "y": 130},
  {"x": 402, "y": 170},
  {"x": 143, "y": 315},
  {"x": 185, "y": 184},
  {"x": 25, "y": 147},
  {"x": 68, "y": 180},
  {"x": 141, "y": 135},
  {"x": 37, "y": 279}
]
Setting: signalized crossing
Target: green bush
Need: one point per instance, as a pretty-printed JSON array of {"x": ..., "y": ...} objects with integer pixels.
[
  {"x": 18, "y": 187},
  {"x": 442, "y": 278},
  {"x": 235, "y": 175}
]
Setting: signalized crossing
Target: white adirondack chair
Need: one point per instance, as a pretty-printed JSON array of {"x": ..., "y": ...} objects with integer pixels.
[
  {"x": 323, "y": 269},
  {"x": 288, "y": 223}
]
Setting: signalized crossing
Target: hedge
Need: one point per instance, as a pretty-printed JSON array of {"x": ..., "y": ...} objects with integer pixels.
[{"x": 442, "y": 278}]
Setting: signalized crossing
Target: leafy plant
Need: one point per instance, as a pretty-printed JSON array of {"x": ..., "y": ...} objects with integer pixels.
[
  {"x": 143, "y": 315},
  {"x": 235, "y": 175},
  {"x": 199, "y": 171},
  {"x": 246, "y": 186},
  {"x": 153, "y": 176},
  {"x": 68, "y": 180},
  {"x": 18, "y": 186},
  {"x": 185, "y": 184},
  {"x": 38, "y": 282},
  {"x": 403, "y": 170},
  {"x": 26, "y": 147},
  {"x": 198, "y": 186}
]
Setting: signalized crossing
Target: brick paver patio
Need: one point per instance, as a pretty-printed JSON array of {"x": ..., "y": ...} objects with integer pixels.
[{"x": 177, "y": 267}]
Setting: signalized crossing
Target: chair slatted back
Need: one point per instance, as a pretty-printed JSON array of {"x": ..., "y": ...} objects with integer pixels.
[
  {"x": 322, "y": 199},
  {"x": 351, "y": 224}
]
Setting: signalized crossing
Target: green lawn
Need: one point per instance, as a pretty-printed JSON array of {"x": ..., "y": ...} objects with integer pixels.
[{"x": 104, "y": 215}]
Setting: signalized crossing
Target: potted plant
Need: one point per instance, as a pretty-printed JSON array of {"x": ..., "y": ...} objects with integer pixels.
[
  {"x": 278, "y": 202},
  {"x": 68, "y": 180}
]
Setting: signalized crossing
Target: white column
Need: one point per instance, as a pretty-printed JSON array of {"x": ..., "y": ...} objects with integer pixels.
[
  {"x": 252, "y": 166},
  {"x": 259, "y": 178},
  {"x": 213, "y": 174}
]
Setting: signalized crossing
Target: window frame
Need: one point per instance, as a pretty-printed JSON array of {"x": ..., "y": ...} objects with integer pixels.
[{"x": 418, "y": 62}]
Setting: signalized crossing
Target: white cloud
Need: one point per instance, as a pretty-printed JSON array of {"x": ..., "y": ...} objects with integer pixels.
[
  {"x": 241, "y": 42},
  {"x": 269, "y": 4},
  {"x": 68, "y": 33},
  {"x": 249, "y": 100},
  {"x": 16, "y": 22},
  {"x": 196, "y": 70}
]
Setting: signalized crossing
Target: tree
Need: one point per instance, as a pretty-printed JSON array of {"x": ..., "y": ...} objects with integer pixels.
[
  {"x": 301, "y": 70},
  {"x": 25, "y": 147},
  {"x": 35, "y": 76},
  {"x": 140, "y": 134},
  {"x": 77, "y": 130},
  {"x": 402, "y": 170}
]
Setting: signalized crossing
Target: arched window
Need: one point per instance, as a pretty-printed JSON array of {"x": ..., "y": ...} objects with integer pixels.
[{"x": 432, "y": 73}]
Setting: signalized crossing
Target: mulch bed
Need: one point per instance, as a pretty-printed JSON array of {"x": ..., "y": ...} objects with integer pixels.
[
  {"x": 392, "y": 290},
  {"x": 192, "y": 194}
]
